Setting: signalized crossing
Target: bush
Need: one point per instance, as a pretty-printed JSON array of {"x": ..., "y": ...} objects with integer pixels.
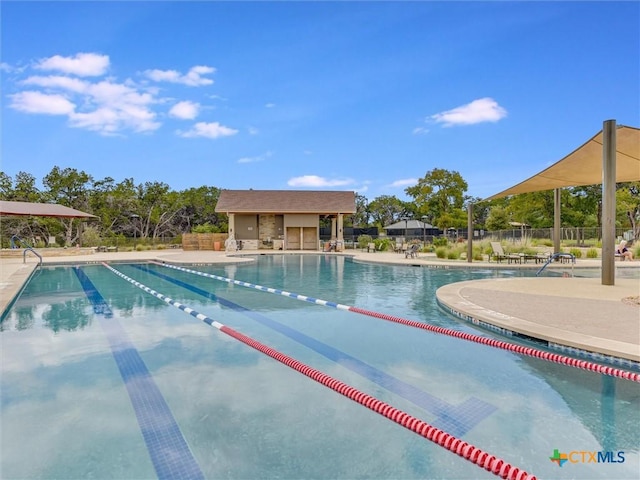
[
  {"x": 382, "y": 244},
  {"x": 441, "y": 252},
  {"x": 576, "y": 252},
  {"x": 364, "y": 240},
  {"x": 440, "y": 242},
  {"x": 592, "y": 253},
  {"x": 453, "y": 254}
]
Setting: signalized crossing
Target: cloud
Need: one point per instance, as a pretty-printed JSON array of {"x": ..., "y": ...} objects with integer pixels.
[
  {"x": 479, "y": 111},
  {"x": 193, "y": 78},
  {"x": 253, "y": 131},
  {"x": 255, "y": 159},
  {"x": 420, "y": 131},
  {"x": 404, "y": 182},
  {"x": 208, "y": 130},
  {"x": 83, "y": 64},
  {"x": 270, "y": 105},
  {"x": 106, "y": 105},
  {"x": 185, "y": 110},
  {"x": 316, "y": 181},
  {"x": 37, "y": 102}
]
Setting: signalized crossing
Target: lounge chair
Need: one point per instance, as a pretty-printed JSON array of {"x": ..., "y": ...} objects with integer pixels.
[
  {"x": 412, "y": 251},
  {"x": 371, "y": 247},
  {"x": 499, "y": 255}
]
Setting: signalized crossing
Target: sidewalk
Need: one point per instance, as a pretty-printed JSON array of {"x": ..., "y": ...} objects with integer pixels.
[{"x": 578, "y": 313}]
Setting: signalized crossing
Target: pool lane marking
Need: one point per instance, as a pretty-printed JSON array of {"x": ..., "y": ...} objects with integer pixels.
[
  {"x": 489, "y": 462},
  {"x": 457, "y": 419},
  {"x": 167, "y": 447},
  {"x": 511, "y": 347}
]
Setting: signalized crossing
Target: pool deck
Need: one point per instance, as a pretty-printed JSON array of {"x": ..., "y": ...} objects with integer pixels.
[{"x": 576, "y": 313}]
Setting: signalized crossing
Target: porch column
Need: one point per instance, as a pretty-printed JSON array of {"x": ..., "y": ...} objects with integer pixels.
[
  {"x": 334, "y": 233},
  {"x": 470, "y": 232},
  {"x": 556, "y": 220},
  {"x": 232, "y": 225},
  {"x": 340, "y": 227}
]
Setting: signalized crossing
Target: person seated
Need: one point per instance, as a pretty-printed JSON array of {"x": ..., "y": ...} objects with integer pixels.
[{"x": 623, "y": 251}]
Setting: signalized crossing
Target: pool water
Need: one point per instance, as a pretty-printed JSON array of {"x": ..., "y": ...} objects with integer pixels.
[{"x": 91, "y": 364}]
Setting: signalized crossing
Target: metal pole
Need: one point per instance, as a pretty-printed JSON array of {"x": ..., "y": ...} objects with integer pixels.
[
  {"x": 608, "y": 201},
  {"x": 556, "y": 220},
  {"x": 470, "y": 233}
]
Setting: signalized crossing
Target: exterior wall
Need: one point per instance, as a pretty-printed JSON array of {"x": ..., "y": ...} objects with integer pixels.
[
  {"x": 246, "y": 227},
  {"x": 301, "y": 232}
]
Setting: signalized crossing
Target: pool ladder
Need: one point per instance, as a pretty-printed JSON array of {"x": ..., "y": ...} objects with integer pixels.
[{"x": 556, "y": 256}]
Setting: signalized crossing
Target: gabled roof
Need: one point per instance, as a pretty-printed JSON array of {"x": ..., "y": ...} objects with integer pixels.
[
  {"x": 286, "y": 201},
  {"x": 583, "y": 166},
  {"x": 40, "y": 210}
]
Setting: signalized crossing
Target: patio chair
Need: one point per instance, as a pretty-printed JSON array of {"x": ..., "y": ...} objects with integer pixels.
[
  {"x": 499, "y": 255},
  {"x": 371, "y": 247},
  {"x": 412, "y": 251}
]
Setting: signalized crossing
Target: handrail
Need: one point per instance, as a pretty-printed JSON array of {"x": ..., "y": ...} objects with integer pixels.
[
  {"x": 16, "y": 240},
  {"x": 556, "y": 256},
  {"x": 24, "y": 255}
]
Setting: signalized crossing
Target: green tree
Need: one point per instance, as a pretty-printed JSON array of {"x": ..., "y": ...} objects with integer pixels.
[
  {"x": 440, "y": 194},
  {"x": 628, "y": 207},
  {"x": 386, "y": 209}
]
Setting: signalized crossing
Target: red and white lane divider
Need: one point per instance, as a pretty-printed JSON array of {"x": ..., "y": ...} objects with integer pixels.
[
  {"x": 461, "y": 448},
  {"x": 522, "y": 350}
]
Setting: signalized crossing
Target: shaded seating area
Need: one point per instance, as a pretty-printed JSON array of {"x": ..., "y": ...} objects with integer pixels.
[{"x": 499, "y": 254}]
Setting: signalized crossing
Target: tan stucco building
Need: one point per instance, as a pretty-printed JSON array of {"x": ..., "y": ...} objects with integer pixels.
[{"x": 284, "y": 219}]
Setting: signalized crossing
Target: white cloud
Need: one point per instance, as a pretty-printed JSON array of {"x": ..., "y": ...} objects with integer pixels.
[
  {"x": 38, "y": 102},
  {"x": 404, "y": 182},
  {"x": 83, "y": 64},
  {"x": 208, "y": 130},
  {"x": 185, "y": 110},
  {"x": 258, "y": 158},
  {"x": 270, "y": 105},
  {"x": 253, "y": 131},
  {"x": 316, "y": 181},
  {"x": 479, "y": 111},
  {"x": 420, "y": 131},
  {"x": 57, "y": 81},
  {"x": 193, "y": 78}
]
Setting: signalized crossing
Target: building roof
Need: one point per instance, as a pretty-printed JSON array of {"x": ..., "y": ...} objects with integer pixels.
[
  {"x": 286, "y": 201},
  {"x": 583, "y": 166},
  {"x": 411, "y": 224},
  {"x": 40, "y": 210}
]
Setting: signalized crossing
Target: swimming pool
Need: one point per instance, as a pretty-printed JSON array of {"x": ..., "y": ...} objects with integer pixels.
[{"x": 101, "y": 379}]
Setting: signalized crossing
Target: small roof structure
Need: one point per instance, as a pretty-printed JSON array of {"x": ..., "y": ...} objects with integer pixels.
[
  {"x": 410, "y": 225},
  {"x": 286, "y": 201},
  {"x": 583, "y": 166},
  {"x": 9, "y": 208}
]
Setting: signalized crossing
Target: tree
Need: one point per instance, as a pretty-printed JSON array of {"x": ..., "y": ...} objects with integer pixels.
[
  {"x": 386, "y": 209},
  {"x": 628, "y": 206},
  {"x": 70, "y": 188},
  {"x": 361, "y": 217},
  {"x": 440, "y": 194}
]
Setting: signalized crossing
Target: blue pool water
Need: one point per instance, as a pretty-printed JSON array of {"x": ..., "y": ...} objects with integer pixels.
[{"x": 100, "y": 379}]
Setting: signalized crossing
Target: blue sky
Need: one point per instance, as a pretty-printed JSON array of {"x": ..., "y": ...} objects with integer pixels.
[{"x": 363, "y": 96}]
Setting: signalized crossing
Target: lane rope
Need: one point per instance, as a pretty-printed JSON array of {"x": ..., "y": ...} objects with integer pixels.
[
  {"x": 511, "y": 347},
  {"x": 469, "y": 452}
]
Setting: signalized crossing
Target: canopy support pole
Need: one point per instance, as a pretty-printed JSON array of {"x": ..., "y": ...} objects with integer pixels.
[
  {"x": 470, "y": 232},
  {"x": 608, "y": 201},
  {"x": 556, "y": 220}
]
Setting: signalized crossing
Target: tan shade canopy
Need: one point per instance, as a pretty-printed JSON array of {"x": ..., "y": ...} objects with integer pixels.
[
  {"x": 583, "y": 166},
  {"x": 40, "y": 210}
]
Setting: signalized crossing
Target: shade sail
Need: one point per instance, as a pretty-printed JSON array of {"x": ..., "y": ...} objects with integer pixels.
[
  {"x": 583, "y": 166},
  {"x": 40, "y": 210}
]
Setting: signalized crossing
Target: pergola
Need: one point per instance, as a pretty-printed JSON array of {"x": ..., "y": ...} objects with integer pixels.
[{"x": 609, "y": 157}]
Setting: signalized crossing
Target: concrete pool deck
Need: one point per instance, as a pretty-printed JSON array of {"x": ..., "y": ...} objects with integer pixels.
[{"x": 571, "y": 312}]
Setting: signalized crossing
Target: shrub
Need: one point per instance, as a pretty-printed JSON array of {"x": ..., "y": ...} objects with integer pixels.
[
  {"x": 576, "y": 252},
  {"x": 364, "y": 240},
  {"x": 440, "y": 242},
  {"x": 382, "y": 244},
  {"x": 441, "y": 252},
  {"x": 592, "y": 253},
  {"x": 453, "y": 254}
]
